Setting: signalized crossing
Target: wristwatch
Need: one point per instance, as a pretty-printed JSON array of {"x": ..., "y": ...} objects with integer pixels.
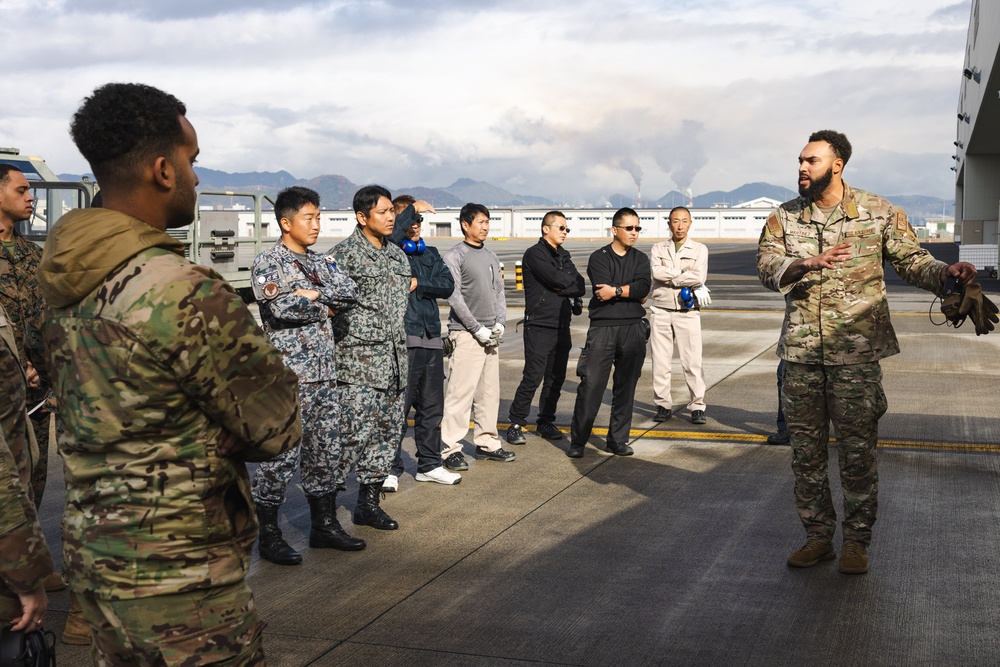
[{"x": 618, "y": 291}]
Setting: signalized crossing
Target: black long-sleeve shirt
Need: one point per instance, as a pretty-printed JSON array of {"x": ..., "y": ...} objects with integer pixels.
[{"x": 606, "y": 267}]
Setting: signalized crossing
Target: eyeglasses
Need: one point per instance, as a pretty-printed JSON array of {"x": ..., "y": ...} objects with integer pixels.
[
  {"x": 629, "y": 228},
  {"x": 561, "y": 228}
]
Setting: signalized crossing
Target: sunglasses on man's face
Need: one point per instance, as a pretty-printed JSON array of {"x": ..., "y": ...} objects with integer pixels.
[
  {"x": 629, "y": 228},
  {"x": 561, "y": 228}
]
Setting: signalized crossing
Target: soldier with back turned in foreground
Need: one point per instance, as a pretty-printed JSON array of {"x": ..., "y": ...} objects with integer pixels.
[
  {"x": 167, "y": 385},
  {"x": 824, "y": 251}
]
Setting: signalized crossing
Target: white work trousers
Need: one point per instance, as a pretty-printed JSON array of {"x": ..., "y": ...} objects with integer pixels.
[
  {"x": 684, "y": 329},
  {"x": 473, "y": 384}
]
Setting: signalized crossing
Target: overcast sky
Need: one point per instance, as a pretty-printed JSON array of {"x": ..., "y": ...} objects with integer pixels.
[{"x": 568, "y": 99}]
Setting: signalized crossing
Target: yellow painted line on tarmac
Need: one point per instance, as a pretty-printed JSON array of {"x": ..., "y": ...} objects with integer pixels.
[{"x": 754, "y": 438}]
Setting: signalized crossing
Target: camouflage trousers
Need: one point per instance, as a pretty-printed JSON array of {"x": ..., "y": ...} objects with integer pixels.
[
  {"x": 851, "y": 398},
  {"x": 204, "y": 627},
  {"x": 318, "y": 453},
  {"x": 370, "y": 421}
]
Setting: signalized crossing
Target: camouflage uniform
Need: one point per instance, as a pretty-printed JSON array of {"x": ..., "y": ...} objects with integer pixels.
[
  {"x": 20, "y": 297},
  {"x": 24, "y": 555},
  {"x": 158, "y": 363},
  {"x": 371, "y": 356},
  {"x": 301, "y": 329},
  {"x": 836, "y": 329}
]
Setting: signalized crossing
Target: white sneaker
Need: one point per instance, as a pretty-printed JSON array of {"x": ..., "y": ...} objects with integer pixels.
[
  {"x": 439, "y": 475},
  {"x": 390, "y": 484}
]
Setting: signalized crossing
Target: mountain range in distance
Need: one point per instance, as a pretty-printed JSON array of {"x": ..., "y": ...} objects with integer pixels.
[{"x": 337, "y": 193}]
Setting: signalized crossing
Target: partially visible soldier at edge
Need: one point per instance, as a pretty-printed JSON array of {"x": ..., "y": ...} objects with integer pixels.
[
  {"x": 831, "y": 241},
  {"x": 298, "y": 290},
  {"x": 167, "y": 385},
  {"x": 20, "y": 297},
  {"x": 371, "y": 352},
  {"x": 431, "y": 281},
  {"x": 25, "y": 561},
  {"x": 553, "y": 291}
]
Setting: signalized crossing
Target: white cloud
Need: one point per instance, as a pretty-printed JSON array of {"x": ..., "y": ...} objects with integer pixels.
[{"x": 553, "y": 98}]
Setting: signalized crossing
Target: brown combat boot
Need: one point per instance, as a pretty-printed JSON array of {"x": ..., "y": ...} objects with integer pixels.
[
  {"x": 853, "y": 558},
  {"x": 815, "y": 549},
  {"x": 77, "y": 632}
]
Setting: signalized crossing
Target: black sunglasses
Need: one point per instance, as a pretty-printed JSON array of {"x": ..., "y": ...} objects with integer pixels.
[
  {"x": 629, "y": 228},
  {"x": 561, "y": 228}
]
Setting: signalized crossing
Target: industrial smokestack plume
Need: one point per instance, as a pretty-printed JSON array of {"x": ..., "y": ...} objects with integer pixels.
[
  {"x": 638, "y": 196},
  {"x": 690, "y": 198}
]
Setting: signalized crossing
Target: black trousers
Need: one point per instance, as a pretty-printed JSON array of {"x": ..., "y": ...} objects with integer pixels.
[
  {"x": 425, "y": 394},
  {"x": 546, "y": 351},
  {"x": 625, "y": 348}
]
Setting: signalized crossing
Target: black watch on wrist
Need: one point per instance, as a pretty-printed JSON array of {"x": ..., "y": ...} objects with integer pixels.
[{"x": 618, "y": 291}]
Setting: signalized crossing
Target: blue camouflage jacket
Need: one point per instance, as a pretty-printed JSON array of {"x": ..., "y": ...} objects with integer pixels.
[{"x": 297, "y": 326}]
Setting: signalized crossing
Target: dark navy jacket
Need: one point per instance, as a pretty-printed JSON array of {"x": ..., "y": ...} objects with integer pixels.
[
  {"x": 551, "y": 281},
  {"x": 434, "y": 281}
]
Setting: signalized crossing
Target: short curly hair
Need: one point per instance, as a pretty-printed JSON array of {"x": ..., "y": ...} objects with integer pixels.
[
  {"x": 121, "y": 125},
  {"x": 838, "y": 142}
]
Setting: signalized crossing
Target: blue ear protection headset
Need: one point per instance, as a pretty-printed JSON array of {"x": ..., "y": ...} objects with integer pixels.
[
  {"x": 411, "y": 248},
  {"x": 687, "y": 297}
]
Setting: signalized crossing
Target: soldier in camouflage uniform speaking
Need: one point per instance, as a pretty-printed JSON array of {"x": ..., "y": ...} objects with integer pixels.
[
  {"x": 167, "y": 386},
  {"x": 298, "y": 290},
  {"x": 372, "y": 367},
  {"x": 824, "y": 251}
]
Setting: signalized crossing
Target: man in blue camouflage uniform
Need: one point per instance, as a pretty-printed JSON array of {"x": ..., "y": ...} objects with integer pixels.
[
  {"x": 371, "y": 352},
  {"x": 825, "y": 251},
  {"x": 298, "y": 291},
  {"x": 168, "y": 387}
]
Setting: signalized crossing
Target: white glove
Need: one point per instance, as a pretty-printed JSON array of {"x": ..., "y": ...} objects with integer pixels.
[
  {"x": 498, "y": 330},
  {"x": 482, "y": 334},
  {"x": 702, "y": 293}
]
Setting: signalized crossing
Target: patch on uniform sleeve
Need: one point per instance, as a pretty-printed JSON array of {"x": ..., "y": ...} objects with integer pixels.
[
  {"x": 267, "y": 285},
  {"x": 774, "y": 225},
  {"x": 903, "y": 227}
]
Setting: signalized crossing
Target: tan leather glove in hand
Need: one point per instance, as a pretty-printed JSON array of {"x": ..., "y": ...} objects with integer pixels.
[{"x": 978, "y": 308}]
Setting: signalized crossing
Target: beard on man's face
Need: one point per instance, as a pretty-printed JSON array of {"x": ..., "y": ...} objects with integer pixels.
[{"x": 817, "y": 187}]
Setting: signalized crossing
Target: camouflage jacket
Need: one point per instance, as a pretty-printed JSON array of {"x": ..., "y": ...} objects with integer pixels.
[
  {"x": 297, "y": 326},
  {"x": 20, "y": 297},
  {"x": 371, "y": 339},
  {"x": 840, "y": 316},
  {"x": 24, "y": 557},
  {"x": 157, "y": 364}
]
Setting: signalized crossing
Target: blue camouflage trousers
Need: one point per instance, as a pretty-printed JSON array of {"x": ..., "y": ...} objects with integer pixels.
[
  {"x": 851, "y": 398},
  {"x": 370, "y": 422},
  {"x": 319, "y": 452}
]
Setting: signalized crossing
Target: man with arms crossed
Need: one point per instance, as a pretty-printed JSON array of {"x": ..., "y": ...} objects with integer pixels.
[
  {"x": 618, "y": 330},
  {"x": 677, "y": 263},
  {"x": 552, "y": 287},
  {"x": 167, "y": 386},
  {"x": 475, "y": 326},
  {"x": 297, "y": 291},
  {"x": 825, "y": 251}
]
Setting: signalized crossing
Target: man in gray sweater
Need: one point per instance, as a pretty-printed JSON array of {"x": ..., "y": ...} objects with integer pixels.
[{"x": 475, "y": 327}]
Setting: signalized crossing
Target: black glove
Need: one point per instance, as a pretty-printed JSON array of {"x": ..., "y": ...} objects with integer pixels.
[
  {"x": 980, "y": 309},
  {"x": 578, "y": 306}
]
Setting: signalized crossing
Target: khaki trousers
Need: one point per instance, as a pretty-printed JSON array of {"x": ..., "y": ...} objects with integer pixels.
[
  {"x": 473, "y": 384},
  {"x": 684, "y": 330}
]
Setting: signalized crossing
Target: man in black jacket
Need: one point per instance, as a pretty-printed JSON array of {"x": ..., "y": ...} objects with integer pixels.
[
  {"x": 425, "y": 387},
  {"x": 551, "y": 283},
  {"x": 621, "y": 280}
]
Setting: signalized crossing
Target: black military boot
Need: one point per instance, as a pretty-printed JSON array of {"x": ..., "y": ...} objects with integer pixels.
[
  {"x": 326, "y": 530},
  {"x": 271, "y": 545},
  {"x": 368, "y": 513}
]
